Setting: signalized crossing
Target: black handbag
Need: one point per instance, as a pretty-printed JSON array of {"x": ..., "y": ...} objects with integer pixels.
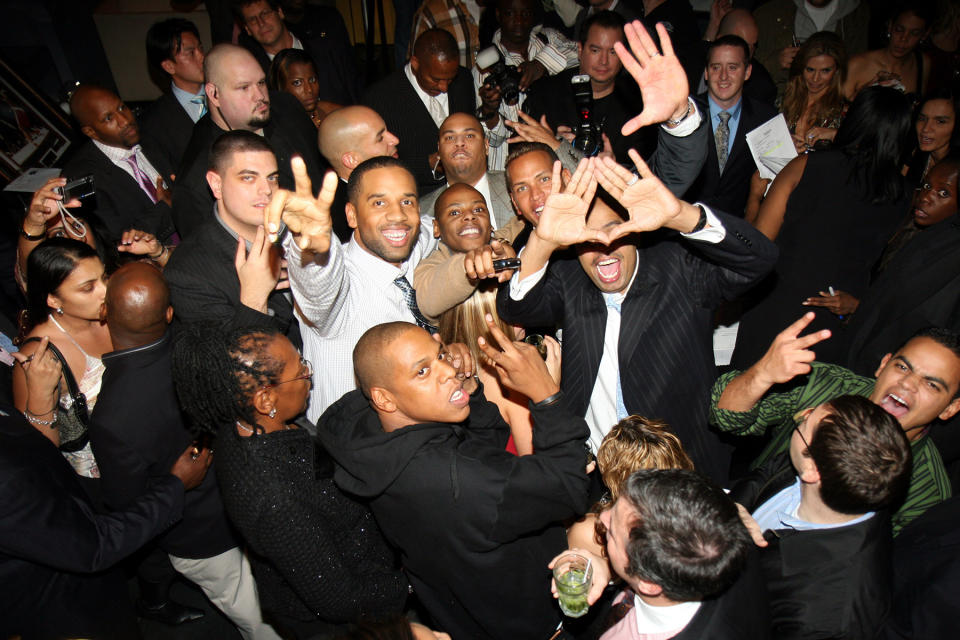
[{"x": 71, "y": 423}]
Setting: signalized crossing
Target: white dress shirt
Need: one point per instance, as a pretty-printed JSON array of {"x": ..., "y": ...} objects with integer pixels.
[
  {"x": 442, "y": 98},
  {"x": 296, "y": 45},
  {"x": 340, "y": 300},
  {"x": 601, "y": 413},
  {"x": 185, "y": 98}
]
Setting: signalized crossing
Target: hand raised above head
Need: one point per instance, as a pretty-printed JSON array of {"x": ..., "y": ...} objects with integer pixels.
[
  {"x": 789, "y": 354},
  {"x": 662, "y": 80},
  {"x": 564, "y": 218},
  {"x": 308, "y": 218},
  {"x": 647, "y": 200}
]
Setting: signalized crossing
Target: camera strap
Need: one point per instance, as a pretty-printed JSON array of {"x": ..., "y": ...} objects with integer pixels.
[{"x": 74, "y": 227}]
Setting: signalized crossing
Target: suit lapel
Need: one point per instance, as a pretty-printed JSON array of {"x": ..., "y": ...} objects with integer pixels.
[
  {"x": 502, "y": 206},
  {"x": 584, "y": 364},
  {"x": 637, "y": 312}
]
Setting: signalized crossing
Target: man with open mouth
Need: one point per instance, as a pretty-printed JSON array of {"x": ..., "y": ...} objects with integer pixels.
[{"x": 918, "y": 384}]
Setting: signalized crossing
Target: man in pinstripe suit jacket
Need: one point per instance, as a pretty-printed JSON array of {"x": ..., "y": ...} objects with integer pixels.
[{"x": 636, "y": 309}]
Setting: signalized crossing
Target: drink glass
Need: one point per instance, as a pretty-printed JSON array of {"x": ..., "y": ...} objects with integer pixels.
[{"x": 573, "y": 575}]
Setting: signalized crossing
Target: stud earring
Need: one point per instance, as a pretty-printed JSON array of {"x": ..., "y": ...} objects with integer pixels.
[
  {"x": 59, "y": 311},
  {"x": 273, "y": 413}
]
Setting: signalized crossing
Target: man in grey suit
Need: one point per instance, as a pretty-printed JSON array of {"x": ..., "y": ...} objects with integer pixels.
[{"x": 463, "y": 153}]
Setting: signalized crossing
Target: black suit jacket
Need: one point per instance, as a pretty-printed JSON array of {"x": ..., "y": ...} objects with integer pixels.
[
  {"x": 54, "y": 548},
  {"x": 137, "y": 433},
  {"x": 920, "y": 287},
  {"x": 822, "y": 583},
  {"x": 120, "y": 203},
  {"x": 338, "y": 213},
  {"x": 165, "y": 131},
  {"x": 405, "y": 115},
  {"x": 728, "y": 191},
  {"x": 666, "y": 346},
  {"x": 289, "y": 132},
  {"x": 330, "y": 49},
  {"x": 204, "y": 286}
]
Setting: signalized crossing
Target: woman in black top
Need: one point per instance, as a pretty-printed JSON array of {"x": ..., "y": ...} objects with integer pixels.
[{"x": 317, "y": 555}]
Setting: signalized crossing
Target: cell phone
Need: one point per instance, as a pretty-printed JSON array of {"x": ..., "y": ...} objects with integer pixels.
[
  {"x": 536, "y": 340},
  {"x": 77, "y": 189},
  {"x": 282, "y": 231},
  {"x": 502, "y": 264}
]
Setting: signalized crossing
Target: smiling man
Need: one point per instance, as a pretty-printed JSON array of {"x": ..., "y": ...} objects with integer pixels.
[
  {"x": 343, "y": 290},
  {"x": 130, "y": 193},
  {"x": 237, "y": 99},
  {"x": 476, "y": 525},
  {"x": 918, "y": 384},
  {"x": 226, "y": 272},
  {"x": 724, "y": 181}
]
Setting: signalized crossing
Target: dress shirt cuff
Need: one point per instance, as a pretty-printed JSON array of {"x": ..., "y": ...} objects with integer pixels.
[
  {"x": 689, "y": 124},
  {"x": 520, "y": 288},
  {"x": 714, "y": 232}
]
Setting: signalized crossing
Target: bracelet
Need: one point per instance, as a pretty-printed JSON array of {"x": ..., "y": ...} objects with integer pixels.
[
  {"x": 549, "y": 400},
  {"x": 31, "y": 418},
  {"x": 702, "y": 222},
  {"x": 163, "y": 250},
  {"x": 32, "y": 238},
  {"x": 676, "y": 123}
]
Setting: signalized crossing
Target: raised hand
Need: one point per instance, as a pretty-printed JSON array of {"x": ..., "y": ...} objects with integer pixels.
[
  {"x": 518, "y": 364},
  {"x": 43, "y": 206},
  {"x": 258, "y": 271},
  {"x": 839, "y": 303},
  {"x": 648, "y": 202},
  {"x": 564, "y": 218},
  {"x": 308, "y": 218},
  {"x": 42, "y": 371},
  {"x": 789, "y": 354},
  {"x": 662, "y": 80},
  {"x": 532, "y": 131}
]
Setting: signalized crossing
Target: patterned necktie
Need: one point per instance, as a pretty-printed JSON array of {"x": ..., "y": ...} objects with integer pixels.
[
  {"x": 410, "y": 297},
  {"x": 436, "y": 111},
  {"x": 145, "y": 183},
  {"x": 621, "y": 406},
  {"x": 722, "y": 137},
  {"x": 202, "y": 101}
]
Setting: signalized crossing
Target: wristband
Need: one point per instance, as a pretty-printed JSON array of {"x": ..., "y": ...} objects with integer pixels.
[
  {"x": 676, "y": 123},
  {"x": 549, "y": 400},
  {"x": 32, "y": 238},
  {"x": 702, "y": 222}
]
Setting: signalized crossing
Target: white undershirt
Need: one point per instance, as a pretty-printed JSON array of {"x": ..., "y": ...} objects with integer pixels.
[{"x": 656, "y": 620}]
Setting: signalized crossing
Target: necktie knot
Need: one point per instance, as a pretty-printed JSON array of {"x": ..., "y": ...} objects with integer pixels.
[
  {"x": 201, "y": 101},
  {"x": 142, "y": 179},
  {"x": 724, "y": 116}
]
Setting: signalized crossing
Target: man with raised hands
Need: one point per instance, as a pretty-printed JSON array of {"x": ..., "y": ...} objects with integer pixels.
[
  {"x": 636, "y": 311},
  {"x": 917, "y": 384}
]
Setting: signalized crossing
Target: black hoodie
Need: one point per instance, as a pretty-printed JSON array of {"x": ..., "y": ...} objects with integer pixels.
[{"x": 476, "y": 526}]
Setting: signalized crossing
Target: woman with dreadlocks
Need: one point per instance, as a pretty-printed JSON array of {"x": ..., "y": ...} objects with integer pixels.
[{"x": 317, "y": 555}]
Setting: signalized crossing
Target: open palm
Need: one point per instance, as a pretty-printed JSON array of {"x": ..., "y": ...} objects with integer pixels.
[
  {"x": 307, "y": 217},
  {"x": 662, "y": 80},
  {"x": 564, "y": 218},
  {"x": 647, "y": 200}
]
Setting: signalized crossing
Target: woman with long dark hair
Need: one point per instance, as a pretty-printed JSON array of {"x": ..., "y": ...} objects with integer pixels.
[
  {"x": 317, "y": 554},
  {"x": 66, "y": 286},
  {"x": 831, "y": 213},
  {"x": 937, "y": 134}
]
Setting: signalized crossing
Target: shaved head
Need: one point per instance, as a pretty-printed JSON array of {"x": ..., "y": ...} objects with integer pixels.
[
  {"x": 350, "y": 135},
  {"x": 217, "y": 63},
  {"x": 436, "y": 44},
  {"x": 372, "y": 363},
  {"x": 740, "y": 22},
  {"x": 136, "y": 305},
  {"x": 83, "y": 102}
]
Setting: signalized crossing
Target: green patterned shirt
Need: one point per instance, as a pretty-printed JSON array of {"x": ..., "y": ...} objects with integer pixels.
[{"x": 774, "y": 415}]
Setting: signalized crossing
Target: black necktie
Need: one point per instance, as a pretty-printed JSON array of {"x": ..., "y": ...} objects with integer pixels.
[{"x": 410, "y": 297}]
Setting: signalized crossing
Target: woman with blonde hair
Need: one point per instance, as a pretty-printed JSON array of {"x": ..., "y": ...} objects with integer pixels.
[
  {"x": 813, "y": 102},
  {"x": 465, "y": 323}
]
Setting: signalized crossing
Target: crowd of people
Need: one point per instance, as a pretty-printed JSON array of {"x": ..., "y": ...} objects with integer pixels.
[{"x": 366, "y": 358}]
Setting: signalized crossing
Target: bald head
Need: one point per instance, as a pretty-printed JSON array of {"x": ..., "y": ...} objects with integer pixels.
[
  {"x": 350, "y": 135},
  {"x": 137, "y": 305},
  {"x": 436, "y": 44},
  {"x": 104, "y": 117},
  {"x": 372, "y": 363},
  {"x": 740, "y": 22},
  {"x": 220, "y": 59}
]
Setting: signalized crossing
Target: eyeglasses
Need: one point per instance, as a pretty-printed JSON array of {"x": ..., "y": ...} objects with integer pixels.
[
  {"x": 306, "y": 375},
  {"x": 260, "y": 18},
  {"x": 798, "y": 421}
]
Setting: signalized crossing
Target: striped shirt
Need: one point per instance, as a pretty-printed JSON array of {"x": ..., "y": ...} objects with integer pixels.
[{"x": 774, "y": 414}]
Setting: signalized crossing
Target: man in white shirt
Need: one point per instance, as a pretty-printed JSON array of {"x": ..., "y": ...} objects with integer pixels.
[
  {"x": 343, "y": 290},
  {"x": 130, "y": 192}
]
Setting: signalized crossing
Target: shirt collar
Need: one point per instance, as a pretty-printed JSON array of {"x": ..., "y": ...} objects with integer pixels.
[
  {"x": 424, "y": 96},
  {"x": 715, "y": 109},
  {"x": 378, "y": 269},
  {"x": 185, "y": 96},
  {"x": 533, "y": 47},
  {"x": 116, "y": 154},
  {"x": 233, "y": 234}
]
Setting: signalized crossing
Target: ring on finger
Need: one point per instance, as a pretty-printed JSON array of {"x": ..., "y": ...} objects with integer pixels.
[{"x": 633, "y": 180}]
